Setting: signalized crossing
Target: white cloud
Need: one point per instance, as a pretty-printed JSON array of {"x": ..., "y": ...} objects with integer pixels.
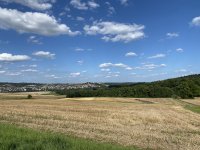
[
  {"x": 2, "y": 71},
  {"x": 196, "y": 21},
  {"x": 111, "y": 9},
  {"x": 93, "y": 4},
  {"x": 179, "y": 50},
  {"x": 105, "y": 69},
  {"x": 75, "y": 74},
  {"x": 29, "y": 70},
  {"x": 105, "y": 65},
  {"x": 33, "y": 66},
  {"x": 163, "y": 65},
  {"x": 150, "y": 66},
  {"x": 119, "y": 65},
  {"x": 157, "y": 56},
  {"x": 62, "y": 14},
  {"x": 12, "y": 58},
  {"x": 14, "y": 74},
  {"x": 130, "y": 54},
  {"x": 112, "y": 74},
  {"x": 78, "y": 4},
  {"x": 172, "y": 35},
  {"x": 80, "y": 18},
  {"x": 79, "y": 49},
  {"x": 32, "y": 22},
  {"x": 113, "y": 31},
  {"x": 124, "y": 2},
  {"x": 80, "y": 62},
  {"x": 133, "y": 73},
  {"x": 44, "y": 54},
  {"x": 128, "y": 68},
  {"x": 34, "y": 39},
  {"x": 34, "y": 4},
  {"x": 52, "y": 76}
]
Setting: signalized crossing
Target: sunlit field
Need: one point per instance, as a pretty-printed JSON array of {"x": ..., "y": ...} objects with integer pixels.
[{"x": 144, "y": 123}]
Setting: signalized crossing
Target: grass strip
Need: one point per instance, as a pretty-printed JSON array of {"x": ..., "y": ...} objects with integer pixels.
[{"x": 13, "y": 137}]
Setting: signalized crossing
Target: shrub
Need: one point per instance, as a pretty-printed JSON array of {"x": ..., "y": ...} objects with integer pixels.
[{"x": 29, "y": 96}]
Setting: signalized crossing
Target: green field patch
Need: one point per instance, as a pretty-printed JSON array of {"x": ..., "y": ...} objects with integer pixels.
[
  {"x": 18, "y": 138},
  {"x": 193, "y": 108}
]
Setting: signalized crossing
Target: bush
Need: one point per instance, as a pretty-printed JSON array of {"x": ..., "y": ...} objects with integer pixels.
[{"x": 29, "y": 96}]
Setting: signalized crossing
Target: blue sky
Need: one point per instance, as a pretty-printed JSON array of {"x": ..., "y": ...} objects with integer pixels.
[{"x": 59, "y": 41}]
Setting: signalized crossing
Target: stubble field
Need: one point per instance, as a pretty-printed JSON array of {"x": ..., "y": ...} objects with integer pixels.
[{"x": 145, "y": 123}]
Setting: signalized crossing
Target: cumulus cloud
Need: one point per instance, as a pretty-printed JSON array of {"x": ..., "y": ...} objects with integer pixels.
[
  {"x": 113, "y": 31},
  {"x": 157, "y": 56},
  {"x": 44, "y": 54},
  {"x": 119, "y": 65},
  {"x": 130, "y": 54},
  {"x": 32, "y": 22},
  {"x": 6, "y": 57},
  {"x": 75, "y": 74},
  {"x": 78, "y": 4},
  {"x": 33, "y": 4},
  {"x": 196, "y": 21},
  {"x": 172, "y": 35}
]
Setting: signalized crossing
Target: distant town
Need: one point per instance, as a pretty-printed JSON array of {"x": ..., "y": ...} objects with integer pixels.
[{"x": 34, "y": 87}]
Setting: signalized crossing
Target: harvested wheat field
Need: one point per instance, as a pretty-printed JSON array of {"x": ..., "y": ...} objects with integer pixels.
[
  {"x": 195, "y": 101},
  {"x": 145, "y": 123}
]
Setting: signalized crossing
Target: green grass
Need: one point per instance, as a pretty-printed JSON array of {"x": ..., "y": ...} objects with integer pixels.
[
  {"x": 18, "y": 138},
  {"x": 193, "y": 108},
  {"x": 189, "y": 106}
]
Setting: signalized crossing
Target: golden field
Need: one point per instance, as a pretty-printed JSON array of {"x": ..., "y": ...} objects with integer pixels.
[{"x": 146, "y": 123}]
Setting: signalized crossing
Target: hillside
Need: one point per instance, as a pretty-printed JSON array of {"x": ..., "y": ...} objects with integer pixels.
[{"x": 183, "y": 87}]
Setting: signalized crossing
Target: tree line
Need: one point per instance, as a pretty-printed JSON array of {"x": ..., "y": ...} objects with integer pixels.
[{"x": 182, "y": 87}]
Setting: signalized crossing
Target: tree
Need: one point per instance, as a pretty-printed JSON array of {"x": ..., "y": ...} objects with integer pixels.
[{"x": 184, "y": 91}]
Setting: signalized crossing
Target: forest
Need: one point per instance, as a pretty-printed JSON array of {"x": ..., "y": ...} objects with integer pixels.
[{"x": 181, "y": 87}]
